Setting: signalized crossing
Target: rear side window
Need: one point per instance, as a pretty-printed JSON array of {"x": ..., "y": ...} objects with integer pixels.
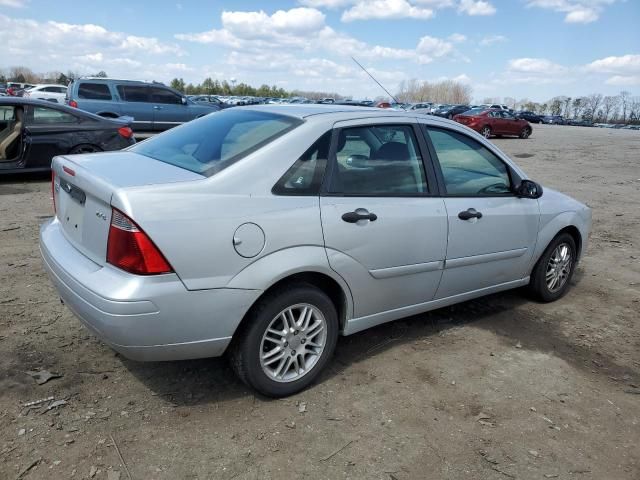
[
  {"x": 47, "y": 116},
  {"x": 133, "y": 93},
  {"x": 210, "y": 144},
  {"x": 306, "y": 174},
  {"x": 162, "y": 95},
  {"x": 381, "y": 160},
  {"x": 94, "y": 91}
]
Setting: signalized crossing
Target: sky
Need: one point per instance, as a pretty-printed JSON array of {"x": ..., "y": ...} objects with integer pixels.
[{"x": 533, "y": 49}]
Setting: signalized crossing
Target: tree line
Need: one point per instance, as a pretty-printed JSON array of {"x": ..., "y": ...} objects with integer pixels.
[{"x": 621, "y": 108}]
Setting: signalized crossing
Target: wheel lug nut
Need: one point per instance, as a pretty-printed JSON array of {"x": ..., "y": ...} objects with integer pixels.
[
  {"x": 296, "y": 332},
  {"x": 286, "y": 344},
  {"x": 303, "y": 341},
  {"x": 293, "y": 352}
]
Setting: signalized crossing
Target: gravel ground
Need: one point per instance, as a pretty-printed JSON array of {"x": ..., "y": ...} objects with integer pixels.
[{"x": 496, "y": 388}]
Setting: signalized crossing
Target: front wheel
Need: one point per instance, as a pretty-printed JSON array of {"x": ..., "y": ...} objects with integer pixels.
[
  {"x": 289, "y": 337},
  {"x": 485, "y": 132},
  {"x": 553, "y": 272},
  {"x": 525, "y": 132}
]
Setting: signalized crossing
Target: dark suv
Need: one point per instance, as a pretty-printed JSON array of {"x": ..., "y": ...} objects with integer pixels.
[{"x": 153, "y": 106}]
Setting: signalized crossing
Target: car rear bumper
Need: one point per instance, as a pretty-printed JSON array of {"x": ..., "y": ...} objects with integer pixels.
[{"x": 143, "y": 318}]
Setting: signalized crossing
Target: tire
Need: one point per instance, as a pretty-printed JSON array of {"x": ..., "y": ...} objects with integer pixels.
[
  {"x": 544, "y": 290},
  {"x": 84, "y": 148},
  {"x": 525, "y": 132},
  {"x": 276, "y": 375},
  {"x": 485, "y": 131}
]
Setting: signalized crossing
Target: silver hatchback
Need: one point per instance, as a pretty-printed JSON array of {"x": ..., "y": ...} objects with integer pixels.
[{"x": 268, "y": 231}]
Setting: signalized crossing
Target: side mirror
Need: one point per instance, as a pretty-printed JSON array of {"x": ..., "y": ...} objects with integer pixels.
[
  {"x": 528, "y": 189},
  {"x": 184, "y": 100}
]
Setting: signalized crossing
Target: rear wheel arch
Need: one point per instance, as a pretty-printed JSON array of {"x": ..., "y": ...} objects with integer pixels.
[
  {"x": 85, "y": 148},
  {"x": 321, "y": 281}
]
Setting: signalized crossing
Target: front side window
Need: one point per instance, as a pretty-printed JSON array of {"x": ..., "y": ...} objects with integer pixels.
[
  {"x": 94, "y": 91},
  {"x": 210, "y": 144},
  {"x": 468, "y": 168},
  {"x": 306, "y": 174},
  {"x": 162, "y": 95},
  {"x": 133, "y": 93},
  {"x": 47, "y": 116},
  {"x": 381, "y": 160}
]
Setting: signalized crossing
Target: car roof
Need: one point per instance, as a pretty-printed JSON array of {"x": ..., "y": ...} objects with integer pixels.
[
  {"x": 306, "y": 110},
  {"x": 53, "y": 105}
]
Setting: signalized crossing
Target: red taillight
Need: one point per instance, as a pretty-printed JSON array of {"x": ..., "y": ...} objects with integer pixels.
[
  {"x": 130, "y": 249},
  {"x": 53, "y": 190},
  {"x": 73, "y": 103},
  {"x": 126, "y": 132}
]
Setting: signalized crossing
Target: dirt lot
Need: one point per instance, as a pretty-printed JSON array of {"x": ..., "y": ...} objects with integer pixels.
[{"x": 496, "y": 388}]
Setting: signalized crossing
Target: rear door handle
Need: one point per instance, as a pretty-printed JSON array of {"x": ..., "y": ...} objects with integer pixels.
[
  {"x": 156, "y": 107},
  {"x": 469, "y": 214},
  {"x": 353, "y": 217}
]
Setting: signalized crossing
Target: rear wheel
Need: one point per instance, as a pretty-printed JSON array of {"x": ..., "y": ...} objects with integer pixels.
[
  {"x": 288, "y": 339},
  {"x": 85, "y": 148},
  {"x": 553, "y": 272},
  {"x": 485, "y": 131},
  {"x": 525, "y": 132}
]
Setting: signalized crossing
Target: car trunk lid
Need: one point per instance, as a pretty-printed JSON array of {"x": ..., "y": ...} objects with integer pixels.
[{"x": 85, "y": 184}]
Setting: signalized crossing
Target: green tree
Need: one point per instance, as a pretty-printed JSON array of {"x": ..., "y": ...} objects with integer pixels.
[{"x": 177, "y": 84}]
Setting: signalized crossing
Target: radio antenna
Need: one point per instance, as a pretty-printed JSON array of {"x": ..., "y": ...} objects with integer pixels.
[{"x": 379, "y": 84}]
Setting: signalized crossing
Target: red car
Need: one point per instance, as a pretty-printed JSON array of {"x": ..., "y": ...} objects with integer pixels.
[{"x": 489, "y": 122}]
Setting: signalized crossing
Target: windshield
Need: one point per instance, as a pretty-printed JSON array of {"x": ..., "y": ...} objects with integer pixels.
[{"x": 212, "y": 143}]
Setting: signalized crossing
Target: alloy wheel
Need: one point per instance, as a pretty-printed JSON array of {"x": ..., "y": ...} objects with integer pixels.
[
  {"x": 485, "y": 132},
  {"x": 293, "y": 342},
  {"x": 559, "y": 267}
]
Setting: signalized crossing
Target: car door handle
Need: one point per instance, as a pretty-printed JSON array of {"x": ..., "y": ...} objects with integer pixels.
[
  {"x": 353, "y": 217},
  {"x": 156, "y": 107},
  {"x": 469, "y": 214}
]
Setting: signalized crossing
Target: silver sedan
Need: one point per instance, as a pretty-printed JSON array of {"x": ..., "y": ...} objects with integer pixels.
[{"x": 267, "y": 231}]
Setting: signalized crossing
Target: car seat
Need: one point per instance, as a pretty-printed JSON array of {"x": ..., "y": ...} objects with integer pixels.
[{"x": 11, "y": 135}]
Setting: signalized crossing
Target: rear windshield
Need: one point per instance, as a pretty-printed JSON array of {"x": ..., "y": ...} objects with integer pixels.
[
  {"x": 474, "y": 111},
  {"x": 212, "y": 143}
]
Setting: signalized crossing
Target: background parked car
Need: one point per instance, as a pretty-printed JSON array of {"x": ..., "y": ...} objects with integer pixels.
[
  {"x": 529, "y": 116},
  {"x": 451, "y": 111},
  {"x": 578, "y": 122},
  {"x": 497, "y": 106},
  {"x": 494, "y": 122},
  {"x": 552, "y": 119},
  {"x": 209, "y": 100},
  {"x": 53, "y": 93},
  {"x": 153, "y": 106},
  {"x": 32, "y": 132}
]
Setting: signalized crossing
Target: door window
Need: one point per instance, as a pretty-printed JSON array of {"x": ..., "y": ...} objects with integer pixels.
[
  {"x": 6, "y": 113},
  {"x": 378, "y": 160},
  {"x": 305, "y": 175},
  {"x": 133, "y": 93},
  {"x": 94, "y": 91},
  {"x": 162, "y": 95},
  {"x": 43, "y": 115},
  {"x": 468, "y": 168}
]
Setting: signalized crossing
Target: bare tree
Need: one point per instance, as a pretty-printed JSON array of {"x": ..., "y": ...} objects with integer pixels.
[
  {"x": 609, "y": 106},
  {"x": 624, "y": 103},
  {"x": 634, "y": 109},
  {"x": 593, "y": 101}
]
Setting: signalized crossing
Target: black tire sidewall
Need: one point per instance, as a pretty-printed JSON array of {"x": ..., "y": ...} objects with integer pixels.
[
  {"x": 538, "y": 283},
  {"x": 262, "y": 317}
]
